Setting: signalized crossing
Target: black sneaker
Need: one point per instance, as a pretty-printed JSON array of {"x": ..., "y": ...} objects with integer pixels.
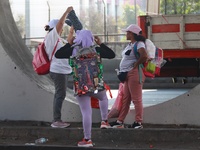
[
  {"x": 116, "y": 125},
  {"x": 136, "y": 125}
]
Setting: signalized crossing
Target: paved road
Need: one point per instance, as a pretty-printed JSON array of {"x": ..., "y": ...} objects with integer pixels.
[{"x": 153, "y": 96}]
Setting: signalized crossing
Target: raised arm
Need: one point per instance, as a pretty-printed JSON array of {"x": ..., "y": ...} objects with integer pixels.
[
  {"x": 70, "y": 36},
  {"x": 105, "y": 51},
  {"x": 143, "y": 57},
  {"x": 59, "y": 26}
]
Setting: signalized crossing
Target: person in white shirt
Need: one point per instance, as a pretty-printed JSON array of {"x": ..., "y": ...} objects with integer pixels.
[
  {"x": 129, "y": 74},
  {"x": 59, "y": 68}
]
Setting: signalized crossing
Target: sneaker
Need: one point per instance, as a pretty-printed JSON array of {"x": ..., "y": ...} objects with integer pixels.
[
  {"x": 137, "y": 125},
  {"x": 85, "y": 143},
  {"x": 104, "y": 125},
  {"x": 116, "y": 125},
  {"x": 60, "y": 124}
]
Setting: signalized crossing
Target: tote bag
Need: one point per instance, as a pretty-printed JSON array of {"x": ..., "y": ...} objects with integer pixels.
[{"x": 116, "y": 108}]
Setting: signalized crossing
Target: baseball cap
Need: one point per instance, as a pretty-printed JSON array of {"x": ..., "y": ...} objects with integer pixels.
[
  {"x": 133, "y": 28},
  {"x": 53, "y": 23}
]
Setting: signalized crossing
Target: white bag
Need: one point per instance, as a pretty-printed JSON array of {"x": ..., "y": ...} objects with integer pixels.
[{"x": 150, "y": 49}]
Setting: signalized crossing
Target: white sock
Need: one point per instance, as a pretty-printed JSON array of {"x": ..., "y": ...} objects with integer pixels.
[{"x": 119, "y": 122}]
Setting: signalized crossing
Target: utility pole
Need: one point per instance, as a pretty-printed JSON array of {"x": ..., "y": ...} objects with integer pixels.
[
  {"x": 135, "y": 13},
  {"x": 104, "y": 20},
  {"x": 27, "y": 21},
  {"x": 48, "y": 11}
]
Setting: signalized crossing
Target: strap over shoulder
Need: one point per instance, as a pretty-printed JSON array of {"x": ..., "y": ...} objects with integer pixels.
[
  {"x": 83, "y": 51},
  {"x": 137, "y": 55}
]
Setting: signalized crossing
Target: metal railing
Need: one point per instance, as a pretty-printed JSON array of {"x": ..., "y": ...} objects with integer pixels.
[{"x": 114, "y": 41}]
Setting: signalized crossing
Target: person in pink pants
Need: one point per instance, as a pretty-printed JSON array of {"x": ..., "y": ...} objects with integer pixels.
[{"x": 132, "y": 78}]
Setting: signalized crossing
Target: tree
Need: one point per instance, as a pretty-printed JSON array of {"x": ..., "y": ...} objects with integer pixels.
[
  {"x": 130, "y": 14},
  {"x": 20, "y": 22},
  {"x": 94, "y": 21},
  {"x": 180, "y": 6}
]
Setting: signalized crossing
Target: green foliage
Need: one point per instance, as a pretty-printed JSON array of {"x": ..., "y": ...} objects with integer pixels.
[
  {"x": 20, "y": 22},
  {"x": 93, "y": 21},
  {"x": 130, "y": 14},
  {"x": 180, "y": 6}
]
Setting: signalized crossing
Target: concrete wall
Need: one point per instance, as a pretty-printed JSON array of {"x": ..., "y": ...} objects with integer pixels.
[{"x": 26, "y": 96}]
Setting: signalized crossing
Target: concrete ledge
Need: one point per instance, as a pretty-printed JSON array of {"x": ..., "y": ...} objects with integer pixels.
[
  {"x": 151, "y": 137},
  {"x": 14, "y": 147}
]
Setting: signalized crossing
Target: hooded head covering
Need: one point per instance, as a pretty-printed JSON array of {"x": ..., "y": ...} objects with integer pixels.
[{"x": 84, "y": 38}]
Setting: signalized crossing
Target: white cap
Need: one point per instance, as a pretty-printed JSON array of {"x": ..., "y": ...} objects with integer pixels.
[
  {"x": 133, "y": 28},
  {"x": 53, "y": 23}
]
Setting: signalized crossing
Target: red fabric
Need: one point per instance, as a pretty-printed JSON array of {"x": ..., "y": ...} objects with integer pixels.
[
  {"x": 41, "y": 62},
  {"x": 159, "y": 57},
  {"x": 146, "y": 73},
  {"x": 95, "y": 102}
]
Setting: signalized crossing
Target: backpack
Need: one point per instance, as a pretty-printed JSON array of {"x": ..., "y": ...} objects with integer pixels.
[
  {"x": 87, "y": 71},
  {"x": 41, "y": 62},
  {"x": 152, "y": 66}
]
